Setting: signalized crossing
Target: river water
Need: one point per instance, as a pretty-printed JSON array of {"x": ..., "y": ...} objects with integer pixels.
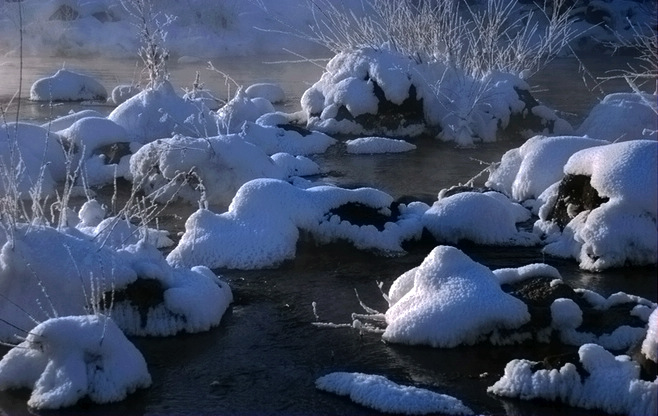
[{"x": 266, "y": 355}]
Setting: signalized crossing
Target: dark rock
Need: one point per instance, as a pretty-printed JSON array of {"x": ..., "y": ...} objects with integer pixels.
[
  {"x": 298, "y": 129},
  {"x": 526, "y": 120},
  {"x": 142, "y": 294},
  {"x": 601, "y": 322},
  {"x": 538, "y": 294},
  {"x": 575, "y": 195},
  {"x": 555, "y": 362},
  {"x": 359, "y": 214},
  {"x": 648, "y": 368}
]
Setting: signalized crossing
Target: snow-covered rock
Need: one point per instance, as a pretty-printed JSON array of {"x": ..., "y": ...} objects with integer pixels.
[
  {"x": 621, "y": 117},
  {"x": 67, "y": 85},
  {"x": 609, "y": 383},
  {"x": 483, "y": 218},
  {"x": 270, "y": 91},
  {"x": 283, "y": 138},
  {"x": 373, "y": 145},
  {"x": 191, "y": 169},
  {"x": 159, "y": 112},
  {"x": 63, "y": 360},
  {"x": 121, "y": 93},
  {"x": 382, "y": 92},
  {"x": 527, "y": 171},
  {"x": 611, "y": 212},
  {"x": 428, "y": 303},
  {"x": 262, "y": 225},
  {"x": 94, "y": 268},
  {"x": 32, "y": 158}
]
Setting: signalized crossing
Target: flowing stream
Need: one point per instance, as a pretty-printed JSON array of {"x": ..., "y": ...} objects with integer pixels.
[{"x": 266, "y": 354}]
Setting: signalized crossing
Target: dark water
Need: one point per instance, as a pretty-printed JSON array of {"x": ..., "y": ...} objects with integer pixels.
[{"x": 265, "y": 356}]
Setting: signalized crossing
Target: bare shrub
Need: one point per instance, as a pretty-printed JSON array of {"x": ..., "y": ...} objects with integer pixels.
[{"x": 152, "y": 30}]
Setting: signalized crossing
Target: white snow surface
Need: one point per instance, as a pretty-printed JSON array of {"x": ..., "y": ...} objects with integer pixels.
[
  {"x": 623, "y": 229},
  {"x": 428, "y": 306},
  {"x": 518, "y": 274},
  {"x": 26, "y": 148},
  {"x": 467, "y": 110},
  {"x": 263, "y": 223},
  {"x": 527, "y": 171},
  {"x": 240, "y": 109},
  {"x": 221, "y": 164},
  {"x": 159, "y": 112},
  {"x": 484, "y": 218},
  {"x": 88, "y": 265},
  {"x": 621, "y": 117},
  {"x": 612, "y": 385},
  {"x": 275, "y": 139},
  {"x": 381, "y": 394},
  {"x": 65, "y": 359},
  {"x": 67, "y": 85},
  {"x": 270, "y": 91},
  {"x": 374, "y": 145},
  {"x": 650, "y": 343}
]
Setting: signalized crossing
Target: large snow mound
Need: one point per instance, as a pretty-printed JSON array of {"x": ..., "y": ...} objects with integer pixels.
[
  {"x": 431, "y": 310},
  {"x": 527, "y": 171},
  {"x": 622, "y": 229},
  {"x": 263, "y": 222},
  {"x": 65, "y": 359},
  {"x": 610, "y": 383},
  {"x": 212, "y": 168},
  {"x": 93, "y": 272},
  {"x": 483, "y": 218},
  {"x": 383, "y": 395},
  {"x": 67, "y": 85},
  {"x": 383, "y": 92},
  {"x": 623, "y": 116},
  {"x": 277, "y": 139},
  {"x": 159, "y": 112}
]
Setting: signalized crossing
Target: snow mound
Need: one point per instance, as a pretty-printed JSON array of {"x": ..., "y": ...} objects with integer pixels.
[
  {"x": 382, "y": 92},
  {"x": 67, "y": 85},
  {"x": 275, "y": 139},
  {"x": 518, "y": 274},
  {"x": 483, "y": 218},
  {"x": 191, "y": 168},
  {"x": 65, "y": 359},
  {"x": 149, "y": 296},
  {"x": 622, "y": 228},
  {"x": 621, "y": 117},
  {"x": 159, "y": 112},
  {"x": 88, "y": 136},
  {"x": 381, "y": 394},
  {"x": 372, "y": 145},
  {"x": 428, "y": 306},
  {"x": 610, "y": 383},
  {"x": 123, "y": 92},
  {"x": 66, "y": 121},
  {"x": 262, "y": 225},
  {"x": 240, "y": 109},
  {"x": 271, "y": 92},
  {"x": 36, "y": 154},
  {"x": 527, "y": 171}
]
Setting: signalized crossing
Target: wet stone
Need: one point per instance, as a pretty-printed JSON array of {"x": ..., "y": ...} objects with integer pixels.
[{"x": 575, "y": 195}]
